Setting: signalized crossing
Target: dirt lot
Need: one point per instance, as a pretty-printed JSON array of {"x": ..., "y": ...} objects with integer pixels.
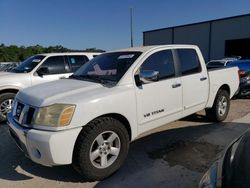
[{"x": 175, "y": 155}]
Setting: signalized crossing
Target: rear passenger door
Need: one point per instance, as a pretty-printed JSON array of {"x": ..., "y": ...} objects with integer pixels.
[
  {"x": 194, "y": 80},
  {"x": 57, "y": 69},
  {"x": 76, "y": 61},
  {"x": 159, "y": 102}
]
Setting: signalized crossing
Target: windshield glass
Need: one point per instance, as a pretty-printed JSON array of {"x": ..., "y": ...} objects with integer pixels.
[
  {"x": 107, "y": 67},
  {"x": 28, "y": 64}
]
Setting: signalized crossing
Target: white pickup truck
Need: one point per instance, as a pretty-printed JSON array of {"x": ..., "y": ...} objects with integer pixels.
[
  {"x": 35, "y": 70},
  {"x": 90, "y": 119}
]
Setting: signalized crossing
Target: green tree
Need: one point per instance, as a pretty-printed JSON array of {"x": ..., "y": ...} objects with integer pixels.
[{"x": 15, "y": 53}]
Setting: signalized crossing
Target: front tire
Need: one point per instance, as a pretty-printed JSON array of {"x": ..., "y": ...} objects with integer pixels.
[
  {"x": 220, "y": 108},
  {"x": 101, "y": 148},
  {"x": 6, "y": 100}
]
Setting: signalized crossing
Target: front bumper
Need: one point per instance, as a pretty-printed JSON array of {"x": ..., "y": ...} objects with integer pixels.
[{"x": 49, "y": 148}]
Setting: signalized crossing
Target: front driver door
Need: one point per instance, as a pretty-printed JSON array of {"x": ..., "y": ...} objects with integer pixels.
[
  {"x": 56, "y": 70},
  {"x": 159, "y": 102}
]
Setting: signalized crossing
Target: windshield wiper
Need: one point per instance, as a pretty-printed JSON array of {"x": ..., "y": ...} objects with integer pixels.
[
  {"x": 74, "y": 76},
  {"x": 89, "y": 77},
  {"x": 95, "y": 78}
]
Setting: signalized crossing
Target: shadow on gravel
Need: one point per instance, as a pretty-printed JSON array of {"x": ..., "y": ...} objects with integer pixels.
[
  {"x": 174, "y": 158},
  {"x": 196, "y": 118},
  {"x": 150, "y": 161}
]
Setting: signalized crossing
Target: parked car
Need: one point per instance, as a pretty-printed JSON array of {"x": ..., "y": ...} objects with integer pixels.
[
  {"x": 6, "y": 66},
  {"x": 111, "y": 100},
  {"x": 244, "y": 89},
  {"x": 231, "y": 170},
  {"x": 244, "y": 73},
  {"x": 9, "y": 67},
  {"x": 244, "y": 65},
  {"x": 36, "y": 70}
]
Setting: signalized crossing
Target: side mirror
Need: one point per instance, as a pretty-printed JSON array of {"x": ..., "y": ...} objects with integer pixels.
[
  {"x": 148, "y": 76},
  {"x": 138, "y": 81},
  {"x": 42, "y": 71}
]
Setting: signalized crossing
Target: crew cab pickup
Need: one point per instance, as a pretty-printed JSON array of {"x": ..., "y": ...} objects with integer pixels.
[
  {"x": 90, "y": 119},
  {"x": 35, "y": 70}
]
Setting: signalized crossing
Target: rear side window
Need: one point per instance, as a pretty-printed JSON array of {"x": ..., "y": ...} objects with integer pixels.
[
  {"x": 189, "y": 61},
  {"x": 55, "y": 65},
  {"x": 162, "y": 62},
  {"x": 76, "y": 61}
]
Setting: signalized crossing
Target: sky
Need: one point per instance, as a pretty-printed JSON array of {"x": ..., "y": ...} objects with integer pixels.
[{"x": 102, "y": 24}]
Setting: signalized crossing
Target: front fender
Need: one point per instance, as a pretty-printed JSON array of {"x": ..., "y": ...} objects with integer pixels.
[{"x": 123, "y": 104}]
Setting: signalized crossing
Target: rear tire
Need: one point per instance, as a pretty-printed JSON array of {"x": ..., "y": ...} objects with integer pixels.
[
  {"x": 101, "y": 148},
  {"x": 220, "y": 108},
  {"x": 6, "y": 100}
]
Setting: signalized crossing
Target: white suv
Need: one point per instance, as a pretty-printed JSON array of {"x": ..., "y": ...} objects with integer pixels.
[{"x": 36, "y": 70}]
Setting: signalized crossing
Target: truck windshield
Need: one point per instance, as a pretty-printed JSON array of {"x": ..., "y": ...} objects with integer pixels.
[
  {"x": 29, "y": 64},
  {"x": 107, "y": 67}
]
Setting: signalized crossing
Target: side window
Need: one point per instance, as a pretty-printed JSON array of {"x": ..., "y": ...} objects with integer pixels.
[
  {"x": 76, "y": 61},
  {"x": 189, "y": 61},
  {"x": 162, "y": 62},
  {"x": 55, "y": 65}
]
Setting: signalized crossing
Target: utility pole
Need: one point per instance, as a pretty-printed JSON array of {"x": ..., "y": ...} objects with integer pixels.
[{"x": 131, "y": 27}]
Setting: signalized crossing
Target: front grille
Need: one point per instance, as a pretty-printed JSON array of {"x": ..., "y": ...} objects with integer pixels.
[
  {"x": 30, "y": 115},
  {"x": 19, "y": 109},
  {"x": 23, "y": 114}
]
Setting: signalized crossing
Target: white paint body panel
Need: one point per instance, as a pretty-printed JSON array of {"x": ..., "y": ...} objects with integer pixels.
[{"x": 93, "y": 100}]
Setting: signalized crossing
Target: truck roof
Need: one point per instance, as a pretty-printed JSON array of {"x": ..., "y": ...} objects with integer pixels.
[{"x": 147, "y": 48}]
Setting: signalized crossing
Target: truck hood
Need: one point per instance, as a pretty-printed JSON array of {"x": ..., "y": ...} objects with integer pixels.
[
  {"x": 9, "y": 79},
  {"x": 3, "y": 74},
  {"x": 56, "y": 92},
  {"x": 11, "y": 75}
]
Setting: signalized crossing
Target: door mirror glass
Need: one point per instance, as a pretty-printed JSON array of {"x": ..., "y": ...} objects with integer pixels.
[
  {"x": 148, "y": 76},
  {"x": 42, "y": 71}
]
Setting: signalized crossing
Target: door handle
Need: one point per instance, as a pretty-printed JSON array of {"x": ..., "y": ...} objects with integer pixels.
[
  {"x": 203, "y": 78},
  {"x": 176, "y": 85}
]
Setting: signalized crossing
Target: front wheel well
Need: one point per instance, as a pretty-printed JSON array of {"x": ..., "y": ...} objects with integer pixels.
[
  {"x": 120, "y": 118},
  {"x": 15, "y": 91}
]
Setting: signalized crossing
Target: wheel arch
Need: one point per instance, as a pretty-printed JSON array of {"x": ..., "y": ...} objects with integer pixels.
[
  {"x": 12, "y": 90},
  {"x": 212, "y": 96},
  {"x": 226, "y": 88},
  {"x": 120, "y": 118}
]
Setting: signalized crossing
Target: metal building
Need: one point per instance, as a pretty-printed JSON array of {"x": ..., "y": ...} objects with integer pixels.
[{"x": 216, "y": 38}]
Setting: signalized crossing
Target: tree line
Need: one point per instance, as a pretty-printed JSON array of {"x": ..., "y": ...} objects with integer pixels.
[{"x": 13, "y": 53}]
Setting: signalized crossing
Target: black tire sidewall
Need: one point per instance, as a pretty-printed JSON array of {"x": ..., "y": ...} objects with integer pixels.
[
  {"x": 4, "y": 97},
  {"x": 81, "y": 159},
  {"x": 222, "y": 93}
]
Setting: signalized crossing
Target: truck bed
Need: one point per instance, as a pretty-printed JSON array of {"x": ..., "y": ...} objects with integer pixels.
[{"x": 222, "y": 76}]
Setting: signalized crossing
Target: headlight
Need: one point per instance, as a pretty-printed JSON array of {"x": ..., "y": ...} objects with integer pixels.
[{"x": 57, "y": 115}]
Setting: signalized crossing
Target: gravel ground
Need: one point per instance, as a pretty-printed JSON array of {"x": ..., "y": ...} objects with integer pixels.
[{"x": 174, "y": 155}]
